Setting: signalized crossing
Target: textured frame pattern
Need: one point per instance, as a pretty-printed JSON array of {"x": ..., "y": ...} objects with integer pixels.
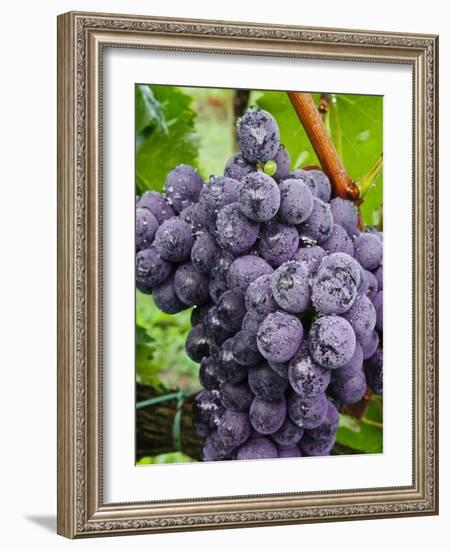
[{"x": 81, "y": 37}]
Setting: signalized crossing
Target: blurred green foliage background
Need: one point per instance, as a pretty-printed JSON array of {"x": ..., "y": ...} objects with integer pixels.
[{"x": 197, "y": 126}]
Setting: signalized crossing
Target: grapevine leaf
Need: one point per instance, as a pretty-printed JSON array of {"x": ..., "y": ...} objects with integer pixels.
[
  {"x": 146, "y": 367},
  {"x": 161, "y": 147},
  {"x": 168, "y": 333},
  {"x": 148, "y": 110},
  {"x": 365, "y": 436}
]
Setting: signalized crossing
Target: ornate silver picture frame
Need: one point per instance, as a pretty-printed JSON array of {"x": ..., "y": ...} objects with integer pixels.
[{"x": 82, "y": 38}]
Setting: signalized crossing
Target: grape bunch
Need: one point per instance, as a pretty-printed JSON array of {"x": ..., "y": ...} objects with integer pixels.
[{"x": 286, "y": 291}]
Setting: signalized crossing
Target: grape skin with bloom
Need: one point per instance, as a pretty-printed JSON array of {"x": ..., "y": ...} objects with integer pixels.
[{"x": 288, "y": 296}]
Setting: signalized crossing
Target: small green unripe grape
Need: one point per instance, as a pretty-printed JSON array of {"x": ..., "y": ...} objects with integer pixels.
[{"x": 270, "y": 167}]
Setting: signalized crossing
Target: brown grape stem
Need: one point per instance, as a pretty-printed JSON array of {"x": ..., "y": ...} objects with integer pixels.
[{"x": 310, "y": 117}]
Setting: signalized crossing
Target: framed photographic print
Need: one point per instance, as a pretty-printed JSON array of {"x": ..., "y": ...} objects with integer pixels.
[{"x": 247, "y": 283}]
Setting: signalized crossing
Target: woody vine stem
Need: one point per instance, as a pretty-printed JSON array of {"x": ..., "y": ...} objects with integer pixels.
[{"x": 332, "y": 165}]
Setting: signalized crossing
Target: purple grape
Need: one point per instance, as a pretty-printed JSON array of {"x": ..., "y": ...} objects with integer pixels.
[
  {"x": 332, "y": 341},
  {"x": 368, "y": 250},
  {"x": 217, "y": 286},
  {"x": 206, "y": 411},
  {"x": 369, "y": 344},
  {"x": 174, "y": 240},
  {"x": 244, "y": 353},
  {"x": 338, "y": 241},
  {"x": 349, "y": 390},
  {"x": 222, "y": 264},
  {"x": 259, "y": 298},
  {"x": 259, "y": 136},
  {"x": 182, "y": 187},
  {"x": 246, "y": 269},
  {"x": 339, "y": 261},
  {"x": 378, "y": 306},
  {"x": 213, "y": 328},
  {"x": 368, "y": 284},
  {"x": 362, "y": 316},
  {"x": 190, "y": 216},
  {"x": 319, "y": 224},
  {"x": 237, "y": 167},
  {"x": 345, "y": 214},
  {"x": 191, "y": 286},
  {"x": 146, "y": 227},
  {"x": 233, "y": 428},
  {"x": 306, "y": 178},
  {"x": 235, "y": 232},
  {"x": 256, "y": 448},
  {"x": 279, "y": 337},
  {"x": 296, "y": 201},
  {"x": 196, "y": 344},
  {"x": 329, "y": 426},
  {"x": 278, "y": 243},
  {"x": 215, "y": 449},
  {"x": 236, "y": 397},
  {"x": 288, "y": 435},
  {"x": 157, "y": 205},
  {"x": 267, "y": 417},
  {"x": 316, "y": 447},
  {"x": 219, "y": 192},
  {"x": 379, "y": 276},
  {"x": 166, "y": 298},
  {"x": 215, "y": 354},
  {"x": 311, "y": 256},
  {"x": 232, "y": 371},
  {"x": 306, "y": 377},
  {"x": 218, "y": 275},
  {"x": 283, "y": 161},
  {"x": 282, "y": 369},
  {"x": 333, "y": 292},
  {"x": 231, "y": 309},
  {"x": 290, "y": 287},
  {"x": 308, "y": 413},
  {"x": 199, "y": 312},
  {"x": 250, "y": 326},
  {"x": 204, "y": 253},
  {"x": 292, "y": 452},
  {"x": 259, "y": 197},
  {"x": 265, "y": 383},
  {"x": 352, "y": 368},
  {"x": 208, "y": 374},
  {"x": 151, "y": 270},
  {"x": 322, "y": 183},
  {"x": 373, "y": 368}
]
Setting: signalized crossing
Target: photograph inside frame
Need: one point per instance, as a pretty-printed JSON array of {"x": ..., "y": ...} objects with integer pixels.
[{"x": 259, "y": 274}]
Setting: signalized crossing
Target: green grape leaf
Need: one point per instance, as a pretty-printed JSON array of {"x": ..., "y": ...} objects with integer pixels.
[
  {"x": 146, "y": 368},
  {"x": 168, "y": 335},
  {"x": 374, "y": 411},
  {"x": 364, "y": 435},
  {"x": 356, "y": 122},
  {"x": 167, "y": 458},
  {"x": 142, "y": 337},
  {"x": 162, "y": 146},
  {"x": 148, "y": 110}
]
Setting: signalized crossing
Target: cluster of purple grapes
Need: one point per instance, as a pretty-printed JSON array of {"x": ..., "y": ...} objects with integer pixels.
[{"x": 288, "y": 296}]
